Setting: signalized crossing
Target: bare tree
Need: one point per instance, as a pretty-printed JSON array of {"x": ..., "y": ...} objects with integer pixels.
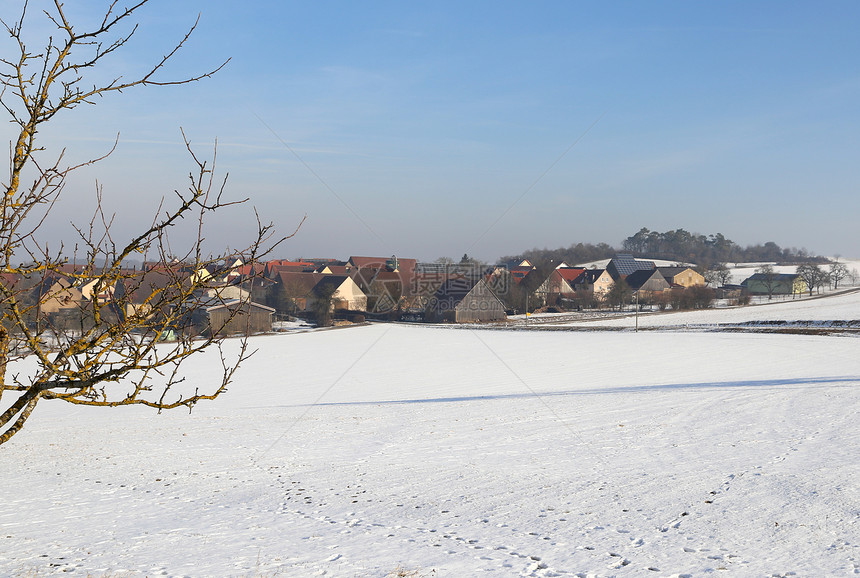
[
  {"x": 112, "y": 352},
  {"x": 838, "y": 272},
  {"x": 813, "y": 275},
  {"x": 718, "y": 275},
  {"x": 769, "y": 279}
]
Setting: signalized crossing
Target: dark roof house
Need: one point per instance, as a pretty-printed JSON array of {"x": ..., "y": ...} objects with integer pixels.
[
  {"x": 461, "y": 300},
  {"x": 624, "y": 264},
  {"x": 647, "y": 281},
  {"x": 774, "y": 284},
  {"x": 238, "y": 316}
]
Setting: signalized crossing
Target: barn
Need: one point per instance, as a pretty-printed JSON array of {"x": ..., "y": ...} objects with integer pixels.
[
  {"x": 237, "y": 316},
  {"x": 462, "y": 300}
]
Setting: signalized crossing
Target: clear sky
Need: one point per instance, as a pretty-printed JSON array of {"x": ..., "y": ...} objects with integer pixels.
[{"x": 428, "y": 129}]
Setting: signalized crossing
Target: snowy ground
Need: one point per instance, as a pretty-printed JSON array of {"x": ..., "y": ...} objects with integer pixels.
[
  {"x": 741, "y": 271},
  {"x": 837, "y": 310},
  {"x": 362, "y": 451}
]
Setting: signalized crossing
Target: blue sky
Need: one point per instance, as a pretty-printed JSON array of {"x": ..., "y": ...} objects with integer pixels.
[{"x": 438, "y": 128}]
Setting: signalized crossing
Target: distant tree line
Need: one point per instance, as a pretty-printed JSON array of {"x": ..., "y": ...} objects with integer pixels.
[
  {"x": 677, "y": 245},
  {"x": 706, "y": 250},
  {"x": 576, "y": 253}
]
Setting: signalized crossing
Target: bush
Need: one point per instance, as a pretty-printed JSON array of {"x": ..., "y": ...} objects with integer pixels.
[{"x": 696, "y": 297}]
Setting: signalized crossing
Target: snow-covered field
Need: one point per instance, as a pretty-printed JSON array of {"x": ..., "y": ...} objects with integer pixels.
[
  {"x": 741, "y": 271},
  {"x": 387, "y": 448},
  {"x": 821, "y": 311}
]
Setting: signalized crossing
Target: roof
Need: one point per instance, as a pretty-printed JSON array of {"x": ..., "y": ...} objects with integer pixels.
[
  {"x": 403, "y": 265},
  {"x": 570, "y": 274},
  {"x": 517, "y": 263},
  {"x": 426, "y": 285},
  {"x": 776, "y": 277},
  {"x": 519, "y": 274},
  {"x": 51, "y": 285},
  {"x": 249, "y": 269},
  {"x": 140, "y": 288},
  {"x": 672, "y": 271},
  {"x": 288, "y": 263},
  {"x": 639, "y": 278},
  {"x": 234, "y": 302},
  {"x": 272, "y": 268},
  {"x": 454, "y": 290},
  {"x": 592, "y": 275},
  {"x": 335, "y": 269},
  {"x": 402, "y": 282},
  {"x": 321, "y": 261},
  {"x": 624, "y": 264},
  {"x": 11, "y": 280},
  {"x": 332, "y": 282},
  {"x": 297, "y": 283}
]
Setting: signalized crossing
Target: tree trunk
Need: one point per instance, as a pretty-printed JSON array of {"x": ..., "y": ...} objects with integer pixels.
[
  {"x": 25, "y": 405},
  {"x": 4, "y": 355}
]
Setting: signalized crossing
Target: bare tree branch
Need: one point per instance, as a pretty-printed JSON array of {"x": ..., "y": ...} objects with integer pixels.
[{"x": 94, "y": 326}]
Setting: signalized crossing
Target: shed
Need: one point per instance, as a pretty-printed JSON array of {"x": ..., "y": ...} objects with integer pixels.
[{"x": 247, "y": 316}]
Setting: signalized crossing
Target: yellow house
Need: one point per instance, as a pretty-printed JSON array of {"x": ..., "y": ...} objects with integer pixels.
[
  {"x": 599, "y": 281},
  {"x": 56, "y": 294},
  {"x": 683, "y": 276}
]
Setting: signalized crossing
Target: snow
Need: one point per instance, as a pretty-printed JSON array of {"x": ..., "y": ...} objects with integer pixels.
[
  {"x": 742, "y": 271},
  {"x": 602, "y": 263},
  {"x": 841, "y": 307},
  {"x": 383, "y": 448}
]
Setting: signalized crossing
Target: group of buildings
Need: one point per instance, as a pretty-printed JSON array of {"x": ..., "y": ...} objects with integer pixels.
[
  {"x": 237, "y": 296},
  {"x": 460, "y": 293}
]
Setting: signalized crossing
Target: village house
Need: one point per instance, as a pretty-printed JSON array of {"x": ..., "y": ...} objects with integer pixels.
[
  {"x": 302, "y": 289},
  {"x": 623, "y": 264},
  {"x": 259, "y": 287},
  {"x": 155, "y": 291},
  {"x": 386, "y": 282},
  {"x": 598, "y": 281},
  {"x": 774, "y": 284},
  {"x": 522, "y": 269},
  {"x": 387, "y": 291},
  {"x": 88, "y": 290},
  {"x": 561, "y": 282},
  {"x": 226, "y": 292},
  {"x": 682, "y": 276},
  {"x": 461, "y": 300},
  {"x": 55, "y": 293},
  {"x": 345, "y": 294},
  {"x": 421, "y": 291},
  {"x": 647, "y": 283}
]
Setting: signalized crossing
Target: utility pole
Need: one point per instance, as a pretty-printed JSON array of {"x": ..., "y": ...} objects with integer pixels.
[{"x": 636, "y": 330}]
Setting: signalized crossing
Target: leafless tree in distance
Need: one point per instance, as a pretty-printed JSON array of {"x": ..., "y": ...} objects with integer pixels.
[
  {"x": 838, "y": 271},
  {"x": 813, "y": 275}
]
